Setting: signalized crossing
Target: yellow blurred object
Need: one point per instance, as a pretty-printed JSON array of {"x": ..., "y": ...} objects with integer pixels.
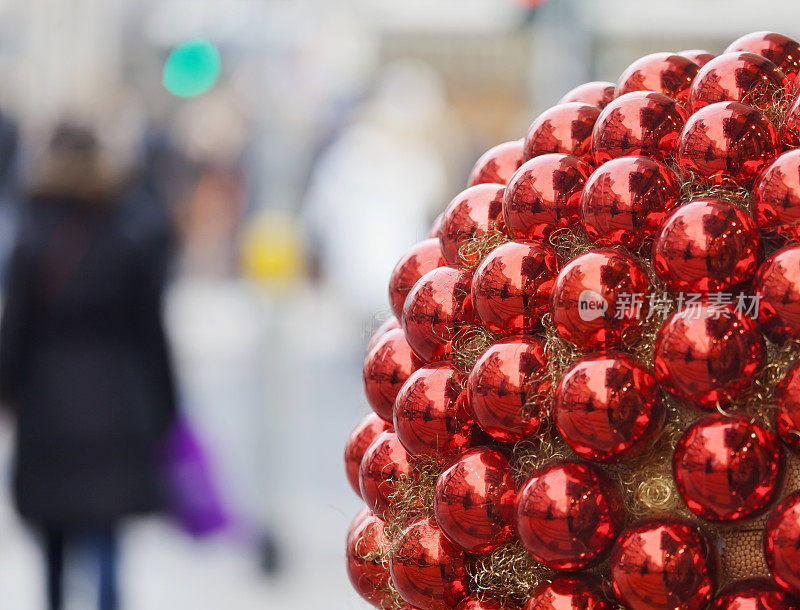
[{"x": 273, "y": 249}]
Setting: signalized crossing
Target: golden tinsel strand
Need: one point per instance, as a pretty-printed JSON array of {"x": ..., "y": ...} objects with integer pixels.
[
  {"x": 474, "y": 250},
  {"x": 469, "y": 344},
  {"x": 412, "y": 498},
  {"x": 508, "y": 574},
  {"x": 559, "y": 353},
  {"x": 532, "y": 453},
  {"x": 391, "y": 599},
  {"x": 570, "y": 242},
  {"x": 694, "y": 187},
  {"x": 771, "y": 101}
]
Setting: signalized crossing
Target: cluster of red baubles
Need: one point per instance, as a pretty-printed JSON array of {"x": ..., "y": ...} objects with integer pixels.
[{"x": 601, "y": 161}]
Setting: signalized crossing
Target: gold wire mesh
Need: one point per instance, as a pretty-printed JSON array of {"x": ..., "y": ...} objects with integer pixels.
[
  {"x": 468, "y": 345},
  {"x": 507, "y": 575},
  {"x": 412, "y": 498},
  {"x": 474, "y": 250}
]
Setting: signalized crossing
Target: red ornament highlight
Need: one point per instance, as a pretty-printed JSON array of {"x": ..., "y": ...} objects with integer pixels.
[
  {"x": 779, "y": 49},
  {"x": 423, "y": 257},
  {"x": 754, "y": 594},
  {"x": 497, "y": 164},
  {"x": 471, "y": 214},
  {"x": 565, "y": 128},
  {"x": 596, "y": 93},
  {"x": 776, "y": 196},
  {"x": 360, "y": 438},
  {"x": 777, "y": 287},
  {"x": 782, "y": 544},
  {"x": 367, "y": 543},
  {"x": 582, "y": 592},
  {"x": 667, "y": 73},
  {"x": 386, "y": 368},
  {"x": 385, "y": 462},
  {"x": 699, "y": 56},
  {"x": 473, "y": 603}
]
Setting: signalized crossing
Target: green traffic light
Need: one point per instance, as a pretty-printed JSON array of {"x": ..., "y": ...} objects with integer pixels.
[{"x": 192, "y": 68}]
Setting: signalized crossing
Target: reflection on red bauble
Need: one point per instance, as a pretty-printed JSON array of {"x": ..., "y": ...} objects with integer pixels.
[
  {"x": 423, "y": 257},
  {"x": 565, "y": 128},
  {"x": 739, "y": 77},
  {"x": 367, "y": 545},
  {"x": 569, "y": 514},
  {"x": 503, "y": 384},
  {"x": 704, "y": 246},
  {"x": 436, "y": 309},
  {"x": 598, "y": 297},
  {"x": 497, "y": 164},
  {"x": 782, "y": 544},
  {"x": 664, "y": 564},
  {"x": 386, "y": 368},
  {"x": 753, "y": 594},
  {"x": 776, "y": 196},
  {"x": 385, "y": 462},
  {"x": 430, "y": 414},
  {"x": 707, "y": 353},
  {"x": 790, "y": 130},
  {"x": 473, "y": 603},
  {"x": 389, "y": 324},
  {"x": 596, "y": 93},
  {"x": 579, "y": 592},
  {"x": 727, "y": 468},
  {"x": 727, "y": 141},
  {"x": 474, "y": 500},
  {"x": 639, "y": 123},
  {"x": 777, "y": 286},
  {"x": 544, "y": 194},
  {"x": 666, "y": 73},
  {"x": 787, "y": 408},
  {"x": 428, "y": 571},
  {"x": 625, "y": 200},
  {"x": 360, "y": 438},
  {"x": 472, "y": 213},
  {"x": 699, "y": 56},
  {"x": 607, "y": 407},
  {"x": 779, "y": 49},
  {"x": 511, "y": 287}
]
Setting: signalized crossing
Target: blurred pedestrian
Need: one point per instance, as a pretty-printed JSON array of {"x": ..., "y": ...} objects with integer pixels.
[{"x": 84, "y": 362}]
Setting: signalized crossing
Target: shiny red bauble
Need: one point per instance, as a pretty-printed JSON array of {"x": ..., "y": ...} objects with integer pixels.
[
  {"x": 386, "y": 368},
  {"x": 699, "y": 56},
  {"x": 511, "y": 287},
  {"x": 639, "y": 123},
  {"x": 565, "y": 128},
  {"x": 664, "y": 564},
  {"x": 626, "y": 199},
  {"x": 777, "y": 287},
  {"x": 776, "y": 196},
  {"x": 727, "y": 468},
  {"x": 754, "y": 594},
  {"x": 360, "y": 439},
  {"x": 707, "y": 353},
  {"x": 598, "y": 297},
  {"x": 473, "y": 603},
  {"x": 779, "y": 49},
  {"x": 706, "y": 245},
  {"x": 436, "y": 309},
  {"x": 389, "y": 324},
  {"x": 503, "y": 386},
  {"x": 787, "y": 408},
  {"x": 385, "y": 462},
  {"x": 367, "y": 544},
  {"x": 790, "y": 130},
  {"x": 430, "y": 414},
  {"x": 497, "y": 164},
  {"x": 428, "y": 571},
  {"x": 727, "y": 142},
  {"x": 607, "y": 407},
  {"x": 568, "y": 515},
  {"x": 544, "y": 195},
  {"x": 474, "y": 500},
  {"x": 596, "y": 93},
  {"x": 472, "y": 213},
  {"x": 423, "y": 257},
  {"x": 582, "y": 592},
  {"x": 739, "y": 77},
  {"x": 667, "y": 73},
  {"x": 782, "y": 543}
]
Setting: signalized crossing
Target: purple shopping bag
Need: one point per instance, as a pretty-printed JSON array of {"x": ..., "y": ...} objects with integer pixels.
[{"x": 192, "y": 495}]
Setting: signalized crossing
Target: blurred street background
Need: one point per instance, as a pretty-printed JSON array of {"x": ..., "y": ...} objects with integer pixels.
[{"x": 298, "y": 148}]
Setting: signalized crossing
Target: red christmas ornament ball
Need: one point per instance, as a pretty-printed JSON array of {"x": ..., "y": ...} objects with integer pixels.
[
  {"x": 385, "y": 462},
  {"x": 607, "y": 407},
  {"x": 706, "y": 245},
  {"x": 389, "y": 324},
  {"x": 511, "y": 287},
  {"x": 699, "y": 56},
  {"x": 667, "y": 73},
  {"x": 544, "y": 195},
  {"x": 664, "y": 564},
  {"x": 626, "y": 199},
  {"x": 502, "y": 384},
  {"x": 497, "y": 164},
  {"x": 472, "y": 213},
  {"x": 582, "y": 592},
  {"x": 787, "y": 408},
  {"x": 474, "y": 500},
  {"x": 436, "y": 309},
  {"x": 430, "y": 414},
  {"x": 473, "y": 603},
  {"x": 727, "y": 468},
  {"x": 639, "y": 123},
  {"x": 777, "y": 288},
  {"x": 568, "y": 515},
  {"x": 597, "y": 297},
  {"x": 428, "y": 571},
  {"x": 727, "y": 142},
  {"x": 386, "y": 368},
  {"x": 367, "y": 544},
  {"x": 360, "y": 438},
  {"x": 782, "y": 544},
  {"x": 564, "y": 128},
  {"x": 790, "y": 130},
  {"x": 423, "y": 257},
  {"x": 753, "y": 594},
  {"x": 707, "y": 353},
  {"x": 776, "y": 196},
  {"x": 596, "y": 93},
  {"x": 779, "y": 49}
]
